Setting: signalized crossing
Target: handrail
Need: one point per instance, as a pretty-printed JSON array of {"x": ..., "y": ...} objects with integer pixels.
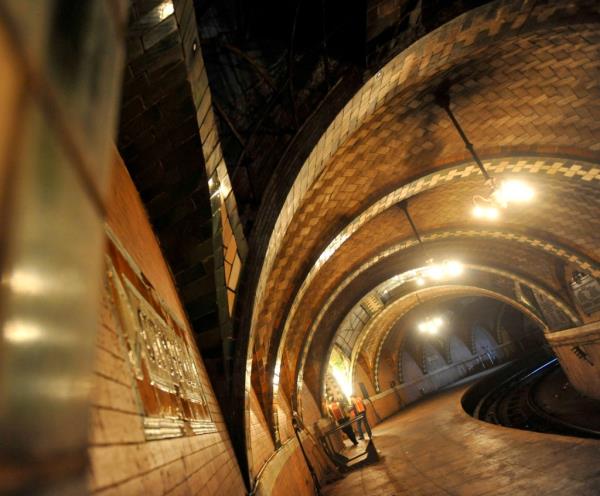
[{"x": 434, "y": 373}]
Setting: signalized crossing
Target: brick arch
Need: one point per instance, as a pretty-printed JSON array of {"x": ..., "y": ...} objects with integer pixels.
[
  {"x": 550, "y": 167},
  {"x": 374, "y": 323},
  {"x": 316, "y": 352},
  {"x": 557, "y": 301},
  {"x": 454, "y": 292},
  {"x": 394, "y": 339},
  {"x": 388, "y": 254},
  {"x": 528, "y": 235},
  {"x": 474, "y": 329},
  {"x": 451, "y": 174},
  {"x": 480, "y": 24},
  {"x": 399, "y": 341},
  {"x": 549, "y": 16},
  {"x": 382, "y": 332}
]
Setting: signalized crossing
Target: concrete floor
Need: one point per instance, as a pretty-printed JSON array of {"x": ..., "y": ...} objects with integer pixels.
[{"x": 434, "y": 448}]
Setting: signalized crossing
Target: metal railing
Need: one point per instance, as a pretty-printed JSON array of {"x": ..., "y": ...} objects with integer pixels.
[{"x": 343, "y": 462}]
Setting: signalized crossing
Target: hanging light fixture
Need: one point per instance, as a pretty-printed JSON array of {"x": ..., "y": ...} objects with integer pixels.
[
  {"x": 509, "y": 191},
  {"x": 431, "y": 325},
  {"x": 432, "y": 271}
]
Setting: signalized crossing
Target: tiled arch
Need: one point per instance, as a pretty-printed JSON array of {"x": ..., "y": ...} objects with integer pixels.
[
  {"x": 467, "y": 291},
  {"x": 320, "y": 356},
  {"x": 531, "y": 165},
  {"x": 496, "y": 234},
  {"x": 517, "y": 20},
  {"x": 381, "y": 332},
  {"x": 454, "y": 41},
  {"x": 456, "y": 291},
  {"x": 553, "y": 167}
]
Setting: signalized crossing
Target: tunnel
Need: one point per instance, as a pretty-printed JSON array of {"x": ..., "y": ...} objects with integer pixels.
[{"x": 310, "y": 247}]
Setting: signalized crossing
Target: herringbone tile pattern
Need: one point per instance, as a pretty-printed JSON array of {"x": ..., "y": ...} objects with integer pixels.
[{"x": 536, "y": 93}]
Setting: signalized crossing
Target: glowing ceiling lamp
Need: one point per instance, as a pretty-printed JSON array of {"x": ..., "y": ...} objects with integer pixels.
[
  {"x": 165, "y": 10},
  {"x": 509, "y": 191},
  {"x": 431, "y": 325},
  {"x": 434, "y": 271},
  {"x": 453, "y": 268},
  {"x": 513, "y": 191},
  {"x": 484, "y": 209}
]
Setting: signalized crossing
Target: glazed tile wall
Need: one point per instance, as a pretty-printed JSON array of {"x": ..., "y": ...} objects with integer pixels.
[
  {"x": 381, "y": 257},
  {"x": 434, "y": 180},
  {"x": 262, "y": 446},
  {"x": 286, "y": 473},
  {"x": 450, "y": 42},
  {"x": 579, "y": 367},
  {"x": 230, "y": 247},
  {"x": 536, "y": 166},
  {"x": 123, "y": 460},
  {"x": 60, "y": 66},
  {"x": 311, "y": 411},
  {"x": 372, "y": 343}
]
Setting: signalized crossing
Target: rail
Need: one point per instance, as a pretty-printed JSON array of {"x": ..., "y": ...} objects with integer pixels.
[{"x": 508, "y": 399}]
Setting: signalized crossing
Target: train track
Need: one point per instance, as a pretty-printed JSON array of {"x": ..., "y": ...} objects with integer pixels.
[{"x": 512, "y": 404}]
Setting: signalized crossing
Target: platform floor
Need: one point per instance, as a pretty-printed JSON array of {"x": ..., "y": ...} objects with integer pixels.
[{"x": 435, "y": 448}]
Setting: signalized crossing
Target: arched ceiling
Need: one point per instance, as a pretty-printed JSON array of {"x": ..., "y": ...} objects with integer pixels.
[
  {"x": 371, "y": 341},
  {"x": 525, "y": 87},
  {"x": 477, "y": 280},
  {"x": 402, "y": 292},
  {"x": 460, "y": 315},
  {"x": 327, "y": 297}
]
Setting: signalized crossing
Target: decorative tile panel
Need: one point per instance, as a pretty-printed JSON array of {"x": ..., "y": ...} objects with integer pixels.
[{"x": 161, "y": 354}]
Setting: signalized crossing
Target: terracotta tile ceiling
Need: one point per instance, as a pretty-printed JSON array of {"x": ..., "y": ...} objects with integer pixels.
[{"x": 518, "y": 97}]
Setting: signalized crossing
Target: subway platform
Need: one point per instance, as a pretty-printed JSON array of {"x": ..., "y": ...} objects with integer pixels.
[{"x": 435, "y": 448}]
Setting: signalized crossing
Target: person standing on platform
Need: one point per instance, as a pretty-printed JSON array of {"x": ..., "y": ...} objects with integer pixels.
[
  {"x": 361, "y": 413},
  {"x": 336, "y": 411}
]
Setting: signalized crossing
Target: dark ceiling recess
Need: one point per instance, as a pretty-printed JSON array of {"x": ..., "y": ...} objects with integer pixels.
[
  {"x": 271, "y": 64},
  {"x": 279, "y": 73}
]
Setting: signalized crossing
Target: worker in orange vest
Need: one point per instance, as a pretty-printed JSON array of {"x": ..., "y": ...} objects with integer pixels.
[
  {"x": 361, "y": 413},
  {"x": 336, "y": 411}
]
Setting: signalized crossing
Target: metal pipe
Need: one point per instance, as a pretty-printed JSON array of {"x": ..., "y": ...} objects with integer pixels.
[
  {"x": 297, "y": 430},
  {"x": 442, "y": 99},
  {"x": 404, "y": 206}
]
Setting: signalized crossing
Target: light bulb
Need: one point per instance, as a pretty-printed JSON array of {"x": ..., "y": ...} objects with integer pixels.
[
  {"x": 513, "y": 191},
  {"x": 487, "y": 213},
  {"x": 165, "y": 10},
  {"x": 454, "y": 268},
  {"x": 492, "y": 213},
  {"x": 420, "y": 281},
  {"x": 435, "y": 272}
]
